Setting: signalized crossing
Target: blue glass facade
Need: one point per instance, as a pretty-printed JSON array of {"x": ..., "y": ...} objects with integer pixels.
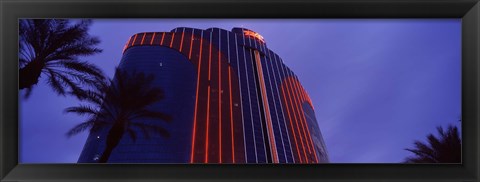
[
  {"x": 233, "y": 101},
  {"x": 175, "y": 75}
]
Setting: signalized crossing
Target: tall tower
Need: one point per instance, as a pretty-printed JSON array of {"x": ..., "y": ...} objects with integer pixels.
[{"x": 231, "y": 98}]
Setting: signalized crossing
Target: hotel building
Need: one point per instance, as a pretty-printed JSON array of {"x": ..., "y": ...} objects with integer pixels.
[{"x": 231, "y": 98}]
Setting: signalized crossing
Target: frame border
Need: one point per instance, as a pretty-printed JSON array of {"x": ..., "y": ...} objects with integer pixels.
[{"x": 11, "y": 11}]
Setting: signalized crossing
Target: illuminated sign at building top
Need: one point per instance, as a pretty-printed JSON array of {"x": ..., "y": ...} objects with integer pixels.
[{"x": 253, "y": 34}]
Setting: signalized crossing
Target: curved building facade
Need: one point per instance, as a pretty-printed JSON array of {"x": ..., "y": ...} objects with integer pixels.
[{"x": 231, "y": 98}]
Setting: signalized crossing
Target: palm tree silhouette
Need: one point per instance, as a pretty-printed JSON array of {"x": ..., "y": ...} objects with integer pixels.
[
  {"x": 52, "y": 47},
  {"x": 121, "y": 104},
  {"x": 445, "y": 149}
]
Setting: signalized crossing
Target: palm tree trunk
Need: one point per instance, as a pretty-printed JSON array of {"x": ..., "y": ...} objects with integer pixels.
[
  {"x": 30, "y": 74},
  {"x": 106, "y": 154},
  {"x": 113, "y": 138}
]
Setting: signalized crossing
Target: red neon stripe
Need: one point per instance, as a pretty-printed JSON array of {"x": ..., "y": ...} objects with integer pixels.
[
  {"x": 305, "y": 97},
  {"x": 309, "y": 100},
  {"x": 291, "y": 123},
  {"x": 196, "y": 102},
  {"x": 297, "y": 104},
  {"x": 143, "y": 38},
  {"x": 305, "y": 94},
  {"x": 153, "y": 37},
  {"x": 126, "y": 45},
  {"x": 308, "y": 130},
  {"x": 208, "y": 122},
  {"x": 219, "y": 106},
  {"x": 297, "y": 107},
  {"x": 208, "y": 101},
  {"x": 134, "y": 39},
  {"x": 231, "y": 113},
  {"x": 171, "y": 41},
  {"x": 181, "y": 42},
  {"x": 266, "y": 107},
  {"x": 209, "y": 61},
  {"x": 302, "y": 92},
  {"x": 303, "y": 120},
  {"x": 295, "y": 116},
  {"x": 129, "y": 39},
  {"x": 163, "y": 36},
  {"x": 191, "y": 44}
]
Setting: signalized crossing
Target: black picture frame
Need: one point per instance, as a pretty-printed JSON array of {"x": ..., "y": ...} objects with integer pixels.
[{"x": 11, "y": 11}]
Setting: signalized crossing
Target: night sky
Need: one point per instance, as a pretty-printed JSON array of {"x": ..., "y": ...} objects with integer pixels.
[{"x": 376, "y": 85}]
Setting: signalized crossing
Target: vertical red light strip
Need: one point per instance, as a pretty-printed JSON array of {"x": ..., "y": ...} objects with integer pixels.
[
  {"x": 209, "y": 60},
  {"x": 309, "y": 100},
  {"x": 163, "y": 36},
  {"x": 191, "y": 44},
  {"x": 307, "y": 97},
  {"x": 305, "y": 93},
  {"x": 291, "y": 123},
  {"x": 219, "y": 107},
  {"x": 208, "y": 119},
  {"x": 126, "y": 45},
  {"x": 303, "y": 120},
  {"x": 300, "y": 114},
  {"x": 143, "y": 38},
  {"x": 301, "y": 90},
  {"x": 308, "y": 129},
  {"x": 266, "y": 107},
  {"x": 153, "y": 37},
  {"x": 293, "y": 104},
  {"x": 171, "y": 41},
  {"x": 298, "y": 105},
  {"x": 208, "y": 99},
  {"x": 196, "y": 101},
  {"x": 181, "y": 41},
  {"x": 231, "y": 113},
  {"x": 135, "y": 38}
]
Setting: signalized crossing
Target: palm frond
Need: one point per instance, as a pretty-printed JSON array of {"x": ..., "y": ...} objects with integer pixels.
[
  {"x": 55, "y": 83},
  {"x": 121, "y": 101},
  {"x": 28, "y": 92},
  {"x": 75, "y": 89},
  {"x": 79, "y": 77},
  {"x": 446, "y": 148},
  {"x": 94, "y": 97},
  {"x": 42, "y": 41},
  {"x": 434, "y": 142},
  {"x": 80, "y": 127},
  {"x": 83, "y": 67},
  {"x": 441, "y": 132},
  {"x": 82, "y": 110},
  {"x": 419, "y": 160}
]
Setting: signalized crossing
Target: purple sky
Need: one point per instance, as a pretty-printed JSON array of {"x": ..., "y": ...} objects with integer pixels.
[{"x": 377, "y": 85}]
